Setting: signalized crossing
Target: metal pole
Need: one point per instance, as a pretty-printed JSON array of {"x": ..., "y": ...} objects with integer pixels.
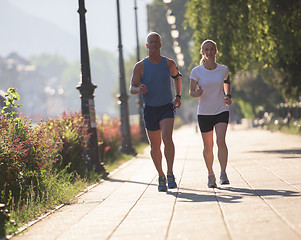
[
  {"x": 140, "y": 99},
  {"x": 126, "y": 144},
  {"x": 86, "y": 88}
]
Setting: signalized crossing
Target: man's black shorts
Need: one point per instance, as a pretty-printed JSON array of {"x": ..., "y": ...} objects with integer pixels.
[
  {"x": 207, "y": 122},
  {"x": 153, "y": 115}
]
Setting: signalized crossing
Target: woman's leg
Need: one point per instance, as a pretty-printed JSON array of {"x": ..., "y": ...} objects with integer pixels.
[
  {"x": 208, "y": 150},
  {"x": 220, "y": 130}
]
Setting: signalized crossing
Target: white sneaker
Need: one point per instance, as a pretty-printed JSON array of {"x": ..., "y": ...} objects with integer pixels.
[
  {"x": 224, "y": 179},
  {"x": 211, "y": 181}
]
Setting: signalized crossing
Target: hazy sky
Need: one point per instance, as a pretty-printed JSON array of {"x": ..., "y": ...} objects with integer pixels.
[{"x": 101, "y": 19}]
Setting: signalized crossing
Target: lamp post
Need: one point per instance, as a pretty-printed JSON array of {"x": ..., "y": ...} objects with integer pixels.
[
  {"x": 86, "y": 89},
  {"x": 140, "y": 99},
  {"x": 126, "y": 144}
]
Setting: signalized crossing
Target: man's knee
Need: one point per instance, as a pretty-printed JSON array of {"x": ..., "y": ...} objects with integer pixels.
[
  {"x": 167, "y": 140},
  {"x": 220, "y": 143}
]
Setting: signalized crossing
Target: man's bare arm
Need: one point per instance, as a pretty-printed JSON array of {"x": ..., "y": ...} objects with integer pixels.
[{"x": 136, "y": 87}]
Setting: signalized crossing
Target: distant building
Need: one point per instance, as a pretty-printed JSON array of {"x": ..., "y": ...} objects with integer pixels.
[{"x": 39, "y": 96}]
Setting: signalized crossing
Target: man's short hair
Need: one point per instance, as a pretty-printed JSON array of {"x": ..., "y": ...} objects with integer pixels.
[{"x": 153, "y": 33}]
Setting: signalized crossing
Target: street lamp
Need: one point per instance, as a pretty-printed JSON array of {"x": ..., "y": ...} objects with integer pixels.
[
  {"x": 177, "y": 49},
  {"x": 174, "y": 34},
  {"x": 171, "y": 19},
  {"x": 126, "y": 144},
  {"x": 86, "y": 88},
  {"x": 140, "y": 98}
]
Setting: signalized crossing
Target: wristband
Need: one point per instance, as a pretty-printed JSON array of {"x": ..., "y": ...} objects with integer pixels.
[
  {"x": 229, "y": 95},
  {"x": 178, "y": 96}
]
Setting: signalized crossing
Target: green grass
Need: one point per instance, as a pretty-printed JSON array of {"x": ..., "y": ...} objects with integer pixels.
[{"x": 58, "y": 190}]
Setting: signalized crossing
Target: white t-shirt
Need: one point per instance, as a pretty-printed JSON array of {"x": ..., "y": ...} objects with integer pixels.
[{"x": 211, "y": 102}]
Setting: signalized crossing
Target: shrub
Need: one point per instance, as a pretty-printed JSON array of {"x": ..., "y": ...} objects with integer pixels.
[
  {"x": 109, "y": 138},
  {"x": 136, "y": 133},
  {"x": 70, "y": 130},
  {"x": 24, "y": 153}
]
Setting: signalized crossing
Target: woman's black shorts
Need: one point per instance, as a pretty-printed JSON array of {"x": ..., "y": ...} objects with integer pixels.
[{"x": 207, "y": 122}]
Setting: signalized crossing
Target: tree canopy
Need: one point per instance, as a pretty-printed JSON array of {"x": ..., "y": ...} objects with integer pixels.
[{"x": 265, "y": 32}]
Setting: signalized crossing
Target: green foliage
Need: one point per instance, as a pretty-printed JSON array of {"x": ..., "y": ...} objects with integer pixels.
[
  {"x": 42, "y": 166},
  {"x": 55, "y": 188},
  {"x": 285, "y": 26},
  {"x": 24, "y": 153},
  {"x": 266, "y": 32},
  {"x": 223, "y": 22},
  {"x": 246, "y": 109},
  {"x": 70, "y": 131},
  {"x": 251, "y": 88},
  {"x": 11, "y": 96}
]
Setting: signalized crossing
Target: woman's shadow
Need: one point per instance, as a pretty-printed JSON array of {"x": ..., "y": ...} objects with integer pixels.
[{"x": 228, "y": 194}]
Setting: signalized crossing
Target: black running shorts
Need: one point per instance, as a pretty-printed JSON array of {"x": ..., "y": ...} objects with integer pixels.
[
  {"x": 207, "y": 122},
  {"x": 153, "y": 115}
]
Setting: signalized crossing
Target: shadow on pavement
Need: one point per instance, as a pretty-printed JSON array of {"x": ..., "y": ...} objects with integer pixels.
[
  {"x": 262, "y": 192},
  {"x": 225, "y": 194},
  {"x": 195, "y": 197},
  {"x": 128, "y": 181},
  {"x": 228, "y": 197},
  {"x": 283, "y": 151}
]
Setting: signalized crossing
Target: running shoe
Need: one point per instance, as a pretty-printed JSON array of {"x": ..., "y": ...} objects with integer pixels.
[
  {"x": 171, "y": 181},
  {"x": 162, "y": 184},
  {"x": 211, "y": 181},
  {"x": 224, "y": 179}
]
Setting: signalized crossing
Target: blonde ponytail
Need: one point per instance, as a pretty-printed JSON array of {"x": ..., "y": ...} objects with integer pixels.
[{"x": 202, "y": 60}]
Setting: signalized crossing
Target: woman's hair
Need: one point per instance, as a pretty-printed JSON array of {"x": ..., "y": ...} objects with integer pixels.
[{"x": 206, "y": 41}]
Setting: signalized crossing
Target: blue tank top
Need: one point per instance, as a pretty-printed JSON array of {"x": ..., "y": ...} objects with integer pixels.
[{"x": 157, "y": 79}]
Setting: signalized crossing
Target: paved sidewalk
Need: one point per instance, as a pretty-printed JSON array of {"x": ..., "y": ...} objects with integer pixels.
[{"x": 263, "y": 200}]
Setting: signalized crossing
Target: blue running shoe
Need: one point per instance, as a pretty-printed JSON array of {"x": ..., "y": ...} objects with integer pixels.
[
  {"x": 162, "y": 184},
  {"x": 171, "y": 181}
]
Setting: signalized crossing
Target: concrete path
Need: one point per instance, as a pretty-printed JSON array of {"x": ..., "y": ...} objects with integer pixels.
[{"x": 263, "y": 200}]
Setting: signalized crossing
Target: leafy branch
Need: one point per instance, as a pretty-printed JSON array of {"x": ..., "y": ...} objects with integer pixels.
[{"x": 11, "y": 96}]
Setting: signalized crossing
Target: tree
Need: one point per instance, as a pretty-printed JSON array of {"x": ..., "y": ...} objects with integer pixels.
[
  {"x": 267, "y": 32},
  {"x": 251, "y": 87},
  {"x": 286, "y": 27}
]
